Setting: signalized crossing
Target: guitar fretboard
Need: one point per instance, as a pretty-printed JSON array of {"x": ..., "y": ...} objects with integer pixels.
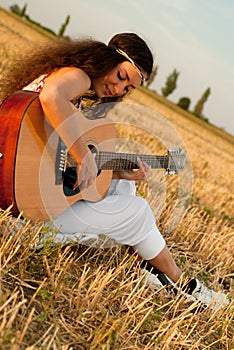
[{"x": 126, "y": 161}]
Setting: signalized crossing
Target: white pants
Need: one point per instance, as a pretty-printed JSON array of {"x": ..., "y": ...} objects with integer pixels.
[{"x": 121, "y": 215}]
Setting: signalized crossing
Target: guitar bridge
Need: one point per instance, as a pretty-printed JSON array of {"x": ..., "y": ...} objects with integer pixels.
[
  {"x": 61, "y": 160},
  {"x": 176, "y": 161}
]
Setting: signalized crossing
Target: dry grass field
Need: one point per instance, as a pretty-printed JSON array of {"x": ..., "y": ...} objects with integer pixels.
[{"x": 79, "y": 297}]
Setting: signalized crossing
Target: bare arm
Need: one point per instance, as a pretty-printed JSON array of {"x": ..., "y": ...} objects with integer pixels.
[{"x": 60, "y": 88}]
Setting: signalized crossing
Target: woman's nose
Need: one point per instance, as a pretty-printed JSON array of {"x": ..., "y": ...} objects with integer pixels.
[{"x": 120, "y": 89}]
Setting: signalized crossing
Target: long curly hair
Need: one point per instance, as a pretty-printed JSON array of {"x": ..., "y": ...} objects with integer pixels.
[{"x": 94, "y": 57}]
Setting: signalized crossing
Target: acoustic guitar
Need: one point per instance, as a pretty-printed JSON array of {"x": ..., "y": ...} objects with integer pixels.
[{"x": 37, "y": 173}]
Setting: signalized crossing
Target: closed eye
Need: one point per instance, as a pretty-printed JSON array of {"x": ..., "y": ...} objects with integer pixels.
[
  {"x": 128, "y": 88},
  {"x": 120, "y": 76}
]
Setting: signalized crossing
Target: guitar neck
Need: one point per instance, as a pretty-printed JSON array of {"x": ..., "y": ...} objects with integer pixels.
[
  {"x": 172, "y": 162},
  {"x": 126, "y": 161}
]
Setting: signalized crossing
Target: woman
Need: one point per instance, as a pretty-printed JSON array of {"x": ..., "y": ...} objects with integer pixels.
[{"x": 68, "y": 70}]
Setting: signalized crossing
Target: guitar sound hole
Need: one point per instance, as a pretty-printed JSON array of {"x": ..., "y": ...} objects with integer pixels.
[{"x": 69, "y": 179}]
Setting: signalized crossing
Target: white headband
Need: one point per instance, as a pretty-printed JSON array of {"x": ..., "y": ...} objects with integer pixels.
[{"x": 121, "y": 52}]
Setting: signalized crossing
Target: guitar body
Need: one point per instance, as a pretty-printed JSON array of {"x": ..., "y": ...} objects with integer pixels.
[{"x": 29, "y": 148}]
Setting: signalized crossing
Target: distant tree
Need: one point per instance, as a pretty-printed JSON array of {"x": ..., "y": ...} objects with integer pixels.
[
  {"x": 170, "y": 83},
  {"x": 64, "y": 26},
  {"x": 200, "y": 104},
  {"x": 152, "y": 77},
  {"x": 17, "y": 10},
  {"x": 184, "y": 102},
  {"x": 23, "y": 11}
]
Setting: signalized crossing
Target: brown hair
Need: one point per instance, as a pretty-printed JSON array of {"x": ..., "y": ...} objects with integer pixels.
[
  {"x": 136, "y": 48},
  {"x": 94, "y": 57}
]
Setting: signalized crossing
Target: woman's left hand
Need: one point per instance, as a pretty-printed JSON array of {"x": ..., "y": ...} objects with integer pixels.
[{"x": 134, "y": 175}]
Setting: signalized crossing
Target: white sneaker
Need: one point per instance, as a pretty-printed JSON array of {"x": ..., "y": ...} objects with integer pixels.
[
  {"x": 197, "y": 291},
  {"x": 208, "y": 297},
  {"x": 152, "y": 280}
]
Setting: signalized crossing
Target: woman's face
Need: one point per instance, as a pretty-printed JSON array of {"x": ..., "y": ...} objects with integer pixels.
[{"x": 122, "y": 79}]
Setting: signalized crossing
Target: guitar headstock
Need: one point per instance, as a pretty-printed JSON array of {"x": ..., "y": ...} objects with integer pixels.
[{"x": 176, "y": 161}]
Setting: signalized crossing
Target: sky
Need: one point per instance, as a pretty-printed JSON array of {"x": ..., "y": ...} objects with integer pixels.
[{"x": 195, "y": 37}]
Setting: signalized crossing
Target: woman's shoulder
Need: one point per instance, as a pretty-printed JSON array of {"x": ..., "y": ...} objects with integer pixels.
[
  {"x": 70, "y": 71},
  {"x": 70, "y": 76}
]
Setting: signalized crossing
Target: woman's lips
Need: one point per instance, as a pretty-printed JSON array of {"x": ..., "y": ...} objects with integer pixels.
[{"x": 107, "y": 91}]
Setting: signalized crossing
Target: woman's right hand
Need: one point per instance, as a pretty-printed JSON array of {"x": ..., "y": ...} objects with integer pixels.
[{"x": 86, "y": 171}]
